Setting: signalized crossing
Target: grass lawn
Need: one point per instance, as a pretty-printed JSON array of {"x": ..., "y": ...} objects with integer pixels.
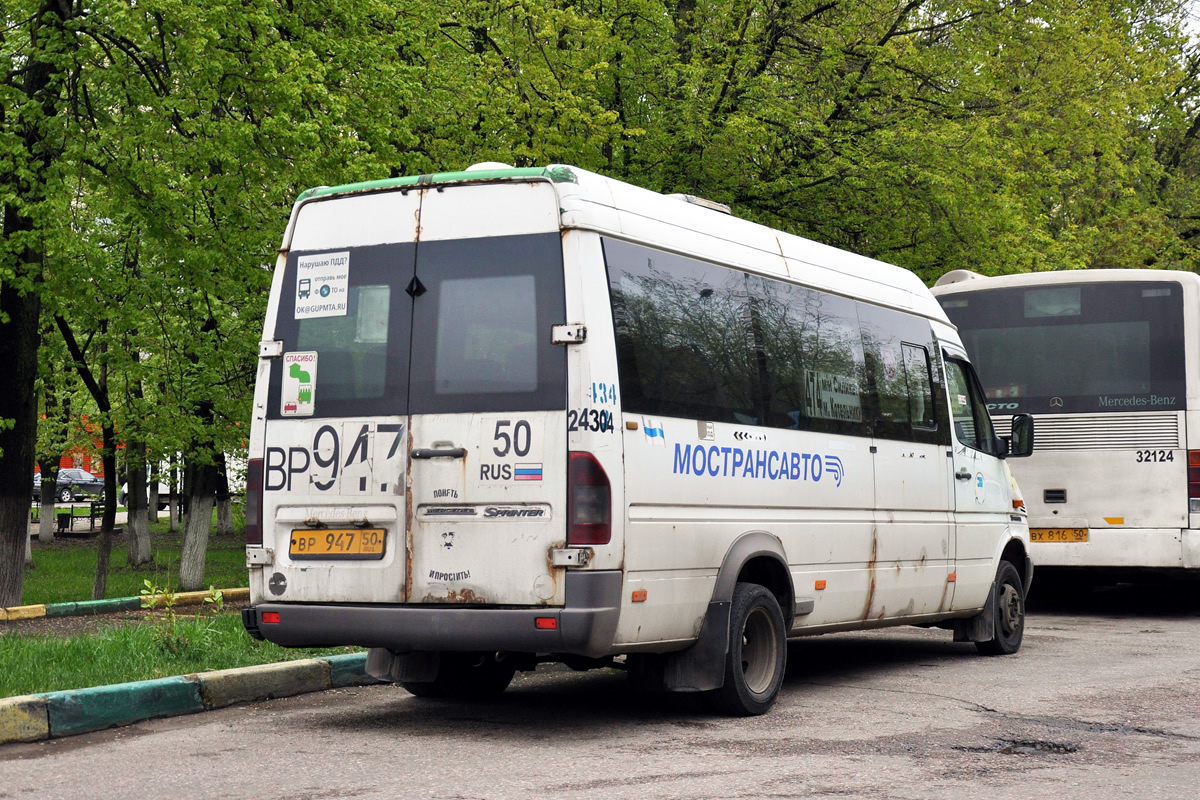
[
  {"x": 63, "y": 572},
  {"x": 134, "y": 651}
]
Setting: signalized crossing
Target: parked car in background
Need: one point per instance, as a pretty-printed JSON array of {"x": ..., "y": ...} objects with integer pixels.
[
  {"x": 73, "y": 484},
  {"x": 164, "y": 495}
]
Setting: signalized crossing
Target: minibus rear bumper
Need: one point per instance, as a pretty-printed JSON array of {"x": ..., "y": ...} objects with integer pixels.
[{"x": 585, "y": 625}]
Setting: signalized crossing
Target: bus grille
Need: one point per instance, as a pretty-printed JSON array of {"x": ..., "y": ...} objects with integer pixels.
[{"x": 1102, "y": 431}]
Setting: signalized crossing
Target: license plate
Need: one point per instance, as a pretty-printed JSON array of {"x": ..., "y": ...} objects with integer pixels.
[
  {"x": 345, "y": 543},
  {"x": 1071, "y": 535}
]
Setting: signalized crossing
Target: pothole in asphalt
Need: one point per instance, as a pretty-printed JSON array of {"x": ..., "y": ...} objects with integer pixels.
[{"x": 1024, "y": 747}]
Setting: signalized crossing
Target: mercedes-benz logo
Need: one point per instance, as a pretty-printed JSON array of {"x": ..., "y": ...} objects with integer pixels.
[{"x": 1056, "y": 402}]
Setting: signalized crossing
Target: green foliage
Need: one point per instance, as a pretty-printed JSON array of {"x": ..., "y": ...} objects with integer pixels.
[
  {"x": 151, "y": 151},
  {"x": 64, "y": 574},
  {"x": 131, "y": 652},
  {"x": 154, "y": 596},
  {"x": 216, "y": 599}
]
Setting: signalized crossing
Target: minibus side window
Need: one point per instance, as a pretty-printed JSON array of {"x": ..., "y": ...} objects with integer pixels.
[
  {"x": 968, "y": 409},
  {"x": 899, "y": 372},
  {"x": 698, "y": 340},
  {"x": 810, "y": 358}
]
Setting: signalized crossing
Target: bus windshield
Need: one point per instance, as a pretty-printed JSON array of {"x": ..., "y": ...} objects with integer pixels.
[{"x": 1075, "y": 348}]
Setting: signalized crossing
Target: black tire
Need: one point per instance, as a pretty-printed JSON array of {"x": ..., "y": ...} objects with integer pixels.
[
  {"x": 465, "y": 676},
  {"x": 65, "y": 496},
  {"x": 756, "y": 656},
  {"x": 1009, "y": 611}
]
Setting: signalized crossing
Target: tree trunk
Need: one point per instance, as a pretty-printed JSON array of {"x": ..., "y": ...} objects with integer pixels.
[
  {"x": 104, "y": 547},
  {"x": 199, "y": 521},
  {"x": 152, "y": 503},
  {"x": 137, "y": 522},
  {"x": 224, "y": 502},
  {"x": 20, "y": 304},
  {"x": 48, "y": 497},
  {"x": 19, "y": 313},
  {"x": 176, "y": 491},
  {"x": 225, "y": 516}
]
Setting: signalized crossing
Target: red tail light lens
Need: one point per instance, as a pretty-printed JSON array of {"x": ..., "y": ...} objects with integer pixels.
[
  {"x": 254, "y": 492},
  {"x": 589, "y": 501}
]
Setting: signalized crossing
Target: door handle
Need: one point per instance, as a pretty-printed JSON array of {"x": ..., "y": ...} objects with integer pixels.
[
  {"x": 962, "y": 474},
  {"x": 454, "y": 452}
]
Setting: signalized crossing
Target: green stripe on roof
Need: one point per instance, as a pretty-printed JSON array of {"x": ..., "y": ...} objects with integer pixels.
[{"x": 554, "y": 174}]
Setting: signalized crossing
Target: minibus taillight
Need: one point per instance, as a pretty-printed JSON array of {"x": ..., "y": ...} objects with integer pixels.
[
  {"x": 589, "y": 501},
  {"x": 1194, "y": 481},
  {"x": 254, "y": 491}
]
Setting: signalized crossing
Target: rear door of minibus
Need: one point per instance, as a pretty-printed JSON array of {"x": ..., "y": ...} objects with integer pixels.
[{"x": 415, "y": 422}]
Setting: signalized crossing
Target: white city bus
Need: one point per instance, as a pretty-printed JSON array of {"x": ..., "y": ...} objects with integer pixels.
[
  {"x": 1106, "y": 362},
  {"x": 508, "y": 416}
]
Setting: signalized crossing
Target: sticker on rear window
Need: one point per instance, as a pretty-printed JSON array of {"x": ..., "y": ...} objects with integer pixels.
[
  {"x": 322, "y": 285},
  {"x": 299, "y": 384}
]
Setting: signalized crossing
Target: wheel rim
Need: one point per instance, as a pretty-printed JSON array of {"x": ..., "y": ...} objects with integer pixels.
[
  {"x": 1010, "y": 609},
  {"x": 759, "y": 651}
]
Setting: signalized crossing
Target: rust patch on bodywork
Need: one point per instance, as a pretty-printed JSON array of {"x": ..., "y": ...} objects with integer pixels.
[
  {"x": 871, "y": 573},
  {"x": 945, "y": 594},
  {"x": 408, "y": 520},
  {"x": 461, "y": 597},
  {"x": 552, "y": 570}
]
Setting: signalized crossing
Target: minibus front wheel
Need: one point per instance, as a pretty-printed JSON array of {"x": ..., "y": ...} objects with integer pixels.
[
  {"x": 1008, "y": 611},
  {"x": 756, "y": 656}
]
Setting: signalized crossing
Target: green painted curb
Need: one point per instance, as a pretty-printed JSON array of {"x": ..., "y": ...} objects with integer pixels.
[
  {"x": 349, "y": 670},
  {"x": 93, "y": 606},
  {"x": 49, "y": 715},
  {"x": 261, "y": 682},
  {"x": 83, "y": 710},
  {"x": 23, "y": 719}
]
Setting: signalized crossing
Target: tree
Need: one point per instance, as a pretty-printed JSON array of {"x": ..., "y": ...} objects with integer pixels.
[
  {"x": 187, "y": 130},
  {"x": 30, "y": 101}
]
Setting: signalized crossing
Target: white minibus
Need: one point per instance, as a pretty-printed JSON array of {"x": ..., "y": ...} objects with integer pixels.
[
  {"x": 1106, "y": 362},
  {"x": 508, "y": 416}
]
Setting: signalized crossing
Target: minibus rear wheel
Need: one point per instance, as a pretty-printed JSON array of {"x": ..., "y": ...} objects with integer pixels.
[
  {"x": 757, "y": 653},
  {"x": 1009, "y": 613}
]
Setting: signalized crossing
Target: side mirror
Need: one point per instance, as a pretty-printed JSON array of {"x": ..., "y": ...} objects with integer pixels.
[{"x": 1020, "y": 444}]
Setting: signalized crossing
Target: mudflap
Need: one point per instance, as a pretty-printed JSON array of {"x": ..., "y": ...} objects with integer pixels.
[
  {"x": 250, "y": 623},
  {"x": 701, "y": 667},
  {"x": 982, "y": 626}
]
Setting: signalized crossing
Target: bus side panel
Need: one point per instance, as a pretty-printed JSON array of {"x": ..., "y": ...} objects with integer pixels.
[{"x": 692, "y": 493}]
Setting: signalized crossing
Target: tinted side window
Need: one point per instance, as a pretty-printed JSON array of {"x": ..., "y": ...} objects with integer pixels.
[
  {"x": 809, "y": 355},
  {"x": 897, "y": 352},
  {"x": 968, "y": 411},
  {"x": 698, "y": 340},
  {"x": 682, "y": 335}
]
